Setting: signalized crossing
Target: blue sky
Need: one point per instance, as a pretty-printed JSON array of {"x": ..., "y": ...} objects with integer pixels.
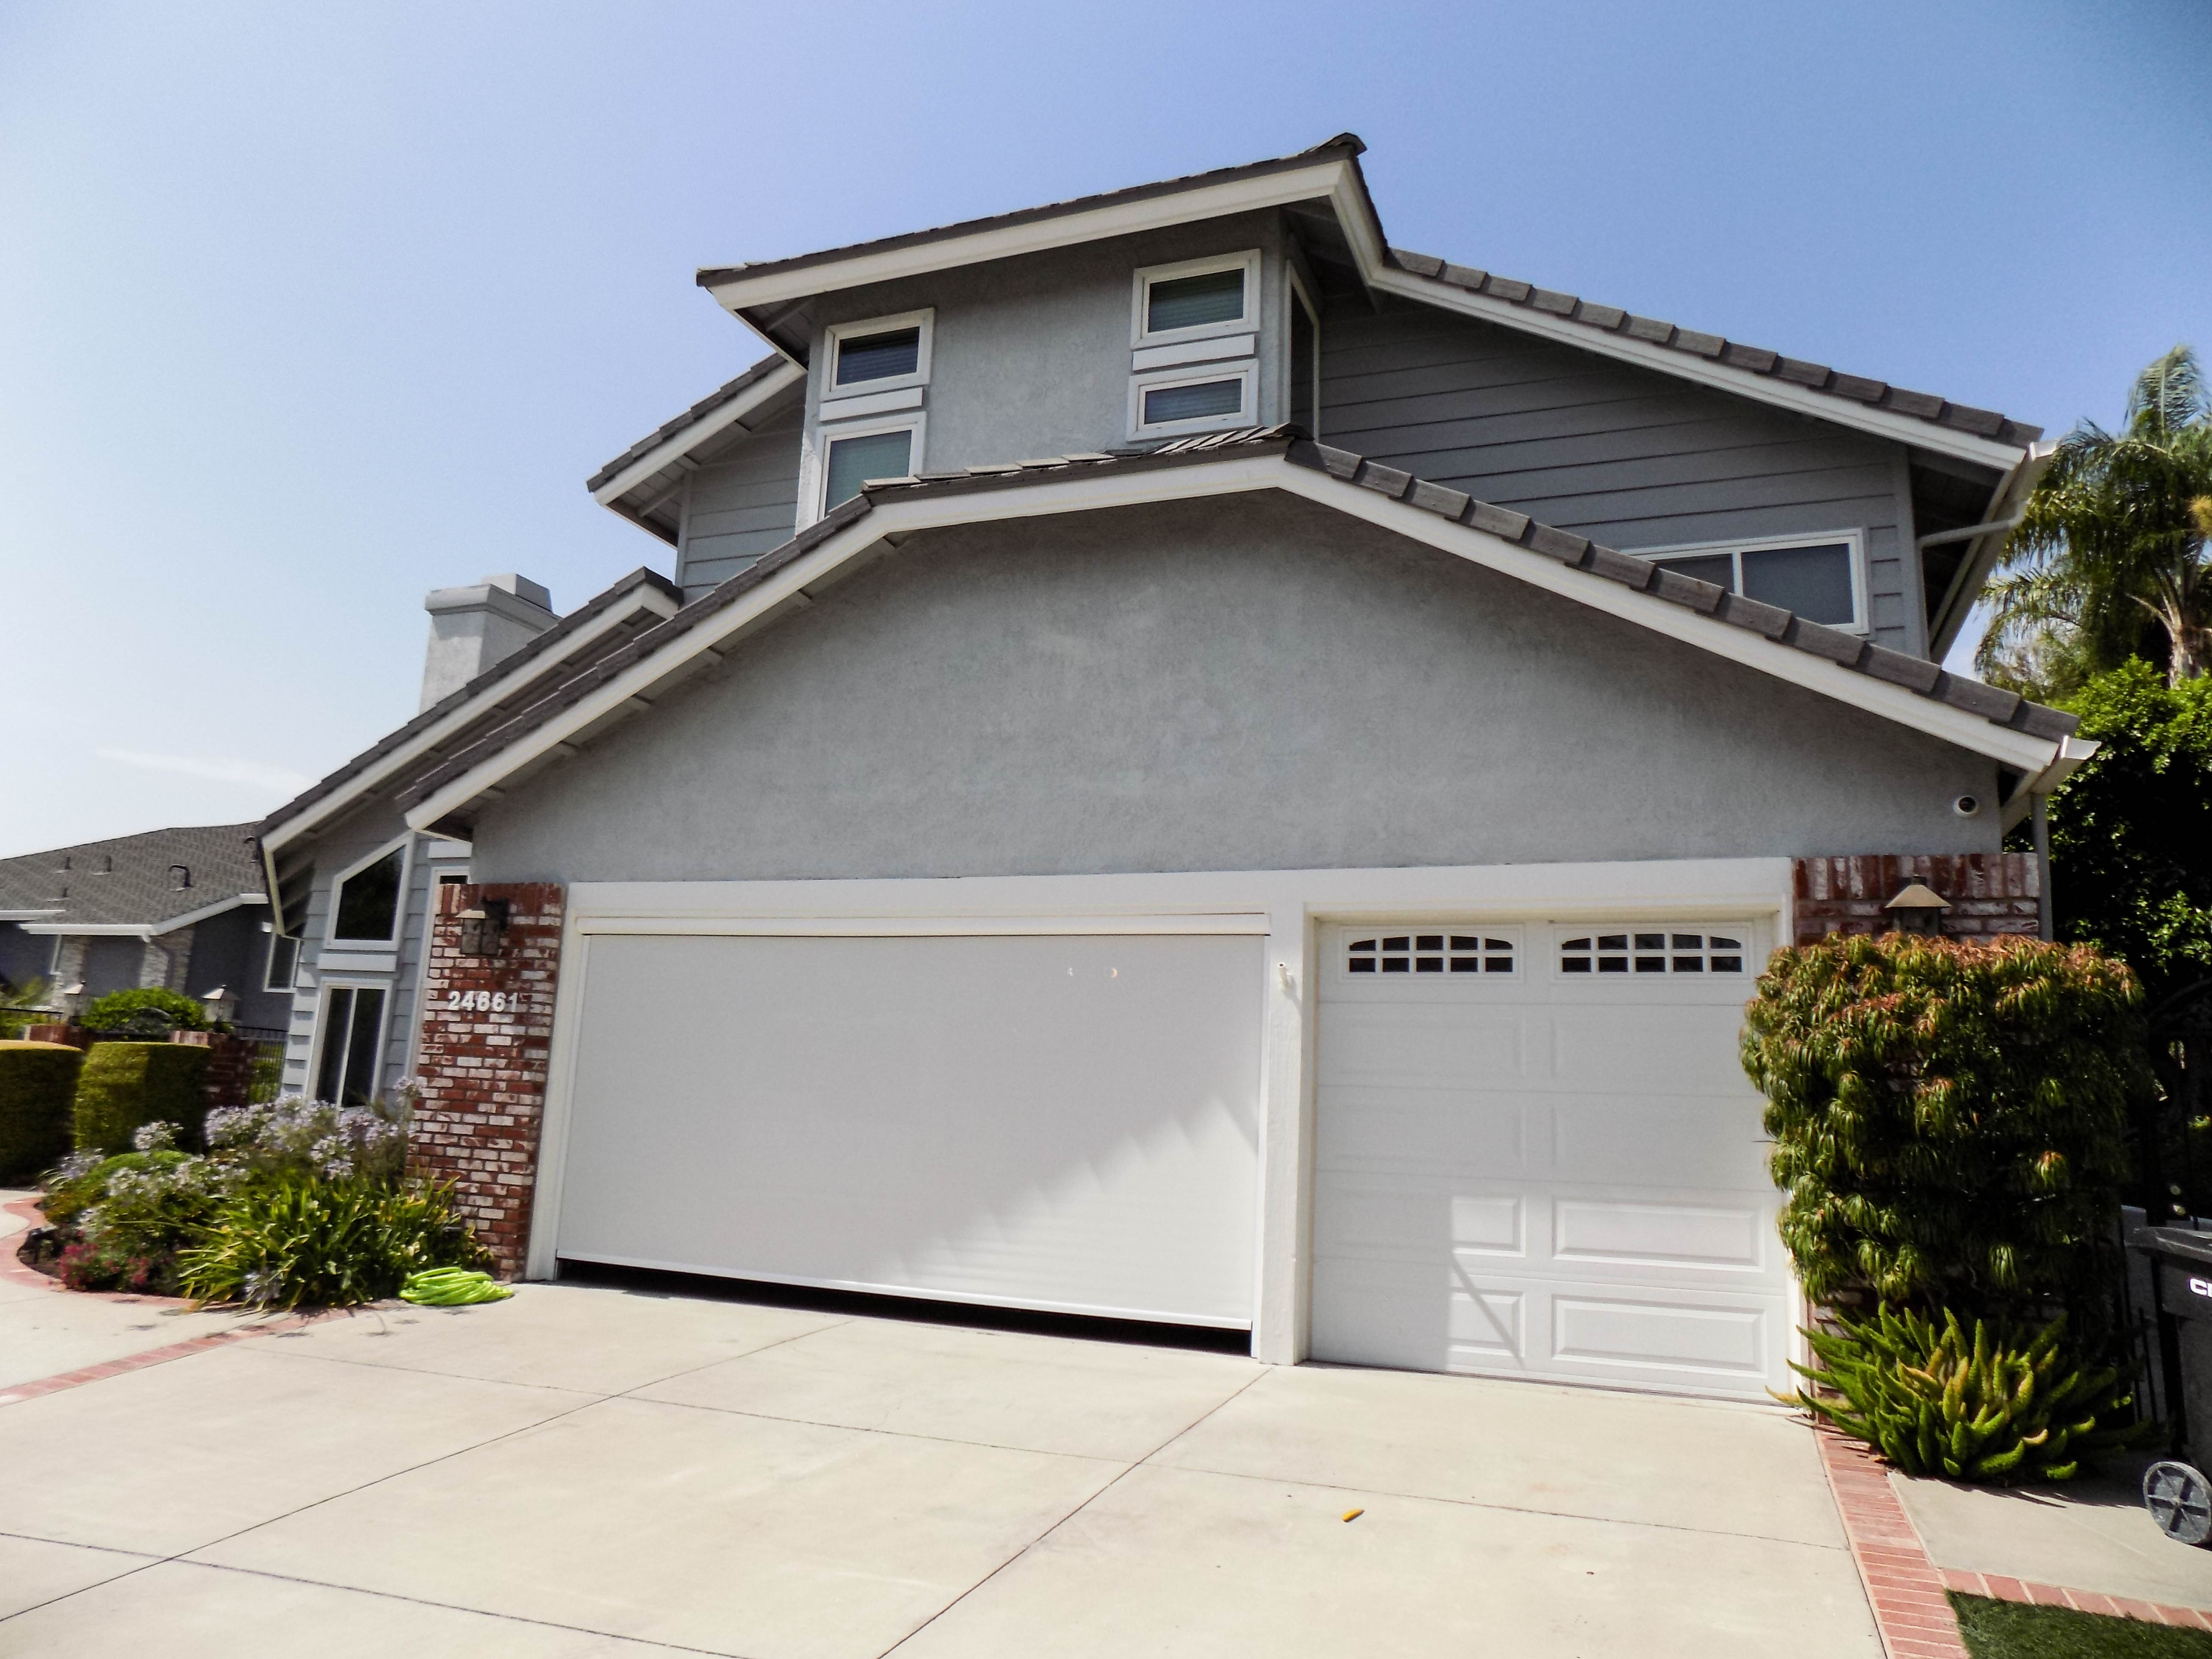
[{"x": 305, "y": 311}]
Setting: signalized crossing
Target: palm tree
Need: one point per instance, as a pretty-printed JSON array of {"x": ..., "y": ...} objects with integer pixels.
[{"x": 2110, "y": 559}]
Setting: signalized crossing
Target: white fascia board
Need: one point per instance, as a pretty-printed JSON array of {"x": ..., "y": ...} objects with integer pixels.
[
  {"x": 1683, "y": 365},
  {"x": 27, "y": 915},
  {"x": 642, "y": 598},
  {"x": 894, "y": 517},
  {"x": 781, "y": 378},
  {"x": 144, "y": 930},
  {"x": 1038, "y": 235},
  {"x": 1894, "y": 702}
]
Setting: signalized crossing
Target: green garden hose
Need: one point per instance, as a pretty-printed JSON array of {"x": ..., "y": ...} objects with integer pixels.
[{"x": 451, "y": 1287}]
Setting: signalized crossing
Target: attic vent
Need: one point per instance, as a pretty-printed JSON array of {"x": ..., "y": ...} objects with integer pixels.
[
  {"x": 1429, "y": 953},
  {"x": 180, "y": 875},
  {"x": 1667, "y": 952}
]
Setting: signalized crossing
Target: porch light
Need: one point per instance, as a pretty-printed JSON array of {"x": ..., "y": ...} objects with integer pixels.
[
  {"x": 484, "y": 929},
  {"x": 1917, "y": 909}
]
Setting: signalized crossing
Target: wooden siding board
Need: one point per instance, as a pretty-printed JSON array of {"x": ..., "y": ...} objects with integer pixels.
[
  {"x": 743, "y": 504},
  {"x": 1625, "y": 457}
]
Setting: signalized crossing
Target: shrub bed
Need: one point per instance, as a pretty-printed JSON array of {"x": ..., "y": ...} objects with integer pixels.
[
  {"x": 124, "y": 1087},
  {"x": 38, "y": 1088}
]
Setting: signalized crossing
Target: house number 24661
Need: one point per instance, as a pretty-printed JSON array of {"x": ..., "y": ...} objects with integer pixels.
[{"x": 487, "y": 1002}]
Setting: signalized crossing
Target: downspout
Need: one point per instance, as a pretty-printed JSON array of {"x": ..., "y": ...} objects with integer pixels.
[{"x": 2038, "y": 805}]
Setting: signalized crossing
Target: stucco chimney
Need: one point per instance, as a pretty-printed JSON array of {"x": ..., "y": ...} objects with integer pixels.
[{"x": 472, "y": 628}]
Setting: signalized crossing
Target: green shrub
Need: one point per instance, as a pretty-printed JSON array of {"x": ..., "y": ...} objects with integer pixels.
[
  {"x": 125, "y": 1084},
  {"x": 1936, "y": 1401},
  {"x": 149, "y": 1010},
  {"x": 293, "y": 1243},
  {"x": 37, "y": 1085},
  {"x": 81, "y": 1181},
  {"x": 1950, "y": 1120}
]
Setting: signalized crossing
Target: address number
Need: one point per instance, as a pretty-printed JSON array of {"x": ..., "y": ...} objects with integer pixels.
[{"x": 489, "y": 1002}]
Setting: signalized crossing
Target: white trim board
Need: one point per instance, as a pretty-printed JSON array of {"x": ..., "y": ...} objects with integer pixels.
[
  {"x": 894, "y": 516},
  {"x": 140, "y": 930},
  {"x": 679, "y": 445}
]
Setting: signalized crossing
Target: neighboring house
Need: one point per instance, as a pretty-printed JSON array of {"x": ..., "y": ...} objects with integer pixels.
[
  {"x": 1086, "y": 845},
  {"x": 352, "y": 882},
  {"x": 182, "y": 909}
]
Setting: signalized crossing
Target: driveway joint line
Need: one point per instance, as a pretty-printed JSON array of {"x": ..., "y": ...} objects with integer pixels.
[
  {"x": 852, "y": 1428},
  {"x": 1069, "y": 1516},
  {"x": 1506, "y": 1508}
]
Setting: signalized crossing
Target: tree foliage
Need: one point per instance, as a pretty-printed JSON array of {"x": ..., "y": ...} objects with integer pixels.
[
  {"x": 1949, "y": 1118},
  {"x": 2110, "y": 559}
]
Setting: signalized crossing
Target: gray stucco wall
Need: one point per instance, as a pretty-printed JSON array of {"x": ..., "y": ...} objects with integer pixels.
[
  {"x": 1625, "y": 456},
  {"x": 742, "y": 502},
  {"x": 1250, "y": 683},
  {"x": 1030, "y": 355}
]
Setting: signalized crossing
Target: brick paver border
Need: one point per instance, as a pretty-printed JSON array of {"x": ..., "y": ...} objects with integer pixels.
[{"x": 1906, "y": 1589}]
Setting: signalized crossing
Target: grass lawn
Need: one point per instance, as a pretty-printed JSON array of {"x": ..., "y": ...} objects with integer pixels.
[{"x": 2009, "y": 1630}]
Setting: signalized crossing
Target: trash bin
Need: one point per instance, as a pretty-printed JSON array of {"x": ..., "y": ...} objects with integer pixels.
[{"x": 2177, "y": 1493}]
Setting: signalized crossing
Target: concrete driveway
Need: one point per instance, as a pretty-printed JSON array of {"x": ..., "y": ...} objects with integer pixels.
[{"x": 585, "y": 1471}]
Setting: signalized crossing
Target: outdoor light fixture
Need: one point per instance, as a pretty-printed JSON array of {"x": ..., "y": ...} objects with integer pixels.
[
  {"x": 1917, "y": 909},
  {"x": 483, "y": 930}
]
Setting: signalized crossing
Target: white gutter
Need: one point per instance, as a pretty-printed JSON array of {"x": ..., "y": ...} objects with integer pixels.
[
  {"x": 2008, "y": 505},
  {"x": 893, "y": 517},
  {"x": 141, "y": 929}
]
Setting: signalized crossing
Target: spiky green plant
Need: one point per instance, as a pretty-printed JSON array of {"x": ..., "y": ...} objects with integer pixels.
[
  {"x": 296, "y": 1242},
  {"x": 1938, "y": 1400}
]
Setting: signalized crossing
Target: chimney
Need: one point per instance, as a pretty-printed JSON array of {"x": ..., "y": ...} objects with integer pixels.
[{"x": 473, "y": 629}]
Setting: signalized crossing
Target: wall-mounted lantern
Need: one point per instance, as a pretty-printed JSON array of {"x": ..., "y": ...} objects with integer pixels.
[
  {"x": 484, "y": 929},
  {"x": 1917, "y": 909}
]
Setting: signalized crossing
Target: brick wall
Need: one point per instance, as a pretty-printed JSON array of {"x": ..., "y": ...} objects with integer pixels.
[
  {"x": 1989, "y": 893},
  {"x": 487, "y": 1029}
]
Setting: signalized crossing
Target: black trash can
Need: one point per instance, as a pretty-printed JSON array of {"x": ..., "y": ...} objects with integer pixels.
[{"x": 2180, "y": 1260}]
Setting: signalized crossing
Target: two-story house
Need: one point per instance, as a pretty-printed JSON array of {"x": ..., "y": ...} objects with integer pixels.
[{"x": 1211, "y": 769}]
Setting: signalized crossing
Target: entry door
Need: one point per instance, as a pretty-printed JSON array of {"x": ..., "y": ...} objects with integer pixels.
[
  {"x": 1537, "y": 1156},
  {"x": 1060, "y": 1121}
]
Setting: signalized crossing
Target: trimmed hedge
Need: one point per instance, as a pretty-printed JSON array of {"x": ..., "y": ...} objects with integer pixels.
[
  {"x": 126, "y": 1084},
  {"x": 119, "y": 1010},
  {"x": 37, "y": 1084}
]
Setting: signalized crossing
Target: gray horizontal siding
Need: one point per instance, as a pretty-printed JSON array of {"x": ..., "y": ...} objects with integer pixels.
[
  {"x": 741, "y": 504},
  {"x": 1628, "y": 457}
]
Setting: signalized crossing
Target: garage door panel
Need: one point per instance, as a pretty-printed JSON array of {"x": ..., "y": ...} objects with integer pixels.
[
  {"x": 1454, "y": 1129},
  {"x": 1588, "y": 1202},
  {"x": 1054, "y": 1121}
]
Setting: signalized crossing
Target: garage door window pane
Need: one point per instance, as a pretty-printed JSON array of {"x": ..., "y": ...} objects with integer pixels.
[
  {"x": 1429, "y": 953},
  {"x": 1667, "y": 952}
]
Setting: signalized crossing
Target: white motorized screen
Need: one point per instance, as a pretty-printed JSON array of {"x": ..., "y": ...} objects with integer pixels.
[
  {"x": 1552, "y": 1167},
  {"x": 1062, "y": 1122}
]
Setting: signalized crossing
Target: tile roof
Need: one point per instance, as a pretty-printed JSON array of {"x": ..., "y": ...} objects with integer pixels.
[
  {"x": 129, "y": 881},
  {"x": 437, "y": 711},
  {"x": 691, "y": 416},
  {"x": 1758, "y": 359},
  {"x": 1851, "y": 651}
]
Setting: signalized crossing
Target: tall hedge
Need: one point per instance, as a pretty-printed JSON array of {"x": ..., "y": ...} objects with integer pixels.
[
  {"x": 38, "y": 1084},
  {"x": 1950, "y": 1118},
  {"x": 125, "y": 1084}
]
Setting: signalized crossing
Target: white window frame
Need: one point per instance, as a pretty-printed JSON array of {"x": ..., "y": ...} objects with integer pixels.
[
  {"x": 1247, "y": 261},
  {"x": 323, "y": 991},
  {"x": 1300, "y": 299},
  {"x": 1245, "y": 371},
  {"x": 1736, "y": 548},
  {"x": 406, "y": 846},
  {"x": 817, "y": 485},
  {"x": 835, "y": 336},
  {"x": 268, "y": 978}
]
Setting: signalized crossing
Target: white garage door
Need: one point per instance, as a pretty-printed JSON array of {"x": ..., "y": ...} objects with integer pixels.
[
  {"x": 1061, "y": 1122},
  {"x": 1537, "y": 1156}
]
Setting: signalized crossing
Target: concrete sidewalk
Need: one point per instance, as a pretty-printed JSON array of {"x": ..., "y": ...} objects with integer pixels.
[{"x": 596, "y": 1471}]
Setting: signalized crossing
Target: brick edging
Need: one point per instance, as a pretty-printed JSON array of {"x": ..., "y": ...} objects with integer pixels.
[
  {"x": 14, "y": 1271},
  {"x": 1910, "y": 1611},
  {"x": 1906, "y": 1589},
  {"x": 17, "y": 1392}
]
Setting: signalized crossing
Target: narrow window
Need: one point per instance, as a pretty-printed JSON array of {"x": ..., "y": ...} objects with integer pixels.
[
  {"x": 367, "y": 906},
  {"x": 878, "y": 356},
  {"x": 283, "y": 967},
  {"x": 352, "y": 1029},
  {"x": 1178, "y": 302},
  {"x": 1816, "y": 579},
  {"x": 854, "y": 461},
  {"x": 1202, "y": 401}
]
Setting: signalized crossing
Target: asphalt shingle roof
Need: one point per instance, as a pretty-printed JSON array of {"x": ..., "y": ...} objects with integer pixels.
[{"x": 129, "y": 881}]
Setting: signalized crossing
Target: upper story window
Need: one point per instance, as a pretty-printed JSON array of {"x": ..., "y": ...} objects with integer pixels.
[
  {"x": 282, "y": 967},
  {"x": 1197, "y": 299},
  {"x": 869, "y": 449},
  {"x": 365, "y": 909},
  {"x": 877, "y": 354},
  {"x": 870, "y": 422},
  {"x": 1818, "y": 577}
]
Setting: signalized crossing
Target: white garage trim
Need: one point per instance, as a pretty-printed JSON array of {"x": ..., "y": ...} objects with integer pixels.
[{"x": 1288, "y": 907}]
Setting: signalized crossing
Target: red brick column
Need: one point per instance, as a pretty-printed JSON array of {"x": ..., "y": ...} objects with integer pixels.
[
  {"x": 487, "y": 1029},
  {"x": 1991, "y": 893}
]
